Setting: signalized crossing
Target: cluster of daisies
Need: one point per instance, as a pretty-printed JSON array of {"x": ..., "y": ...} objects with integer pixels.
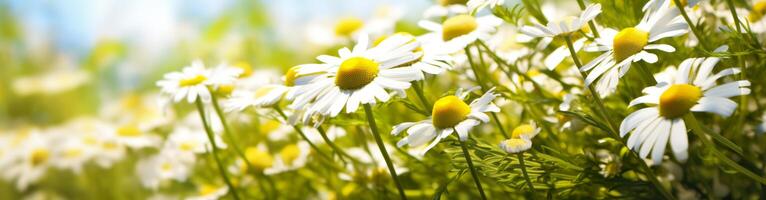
[{"x": 472, "y": 78}]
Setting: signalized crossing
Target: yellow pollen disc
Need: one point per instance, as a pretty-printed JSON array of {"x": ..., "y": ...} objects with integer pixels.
[
  {"x": 109, "y": 145},
  {"x": 263, "y": 91},
  {"x": 457, "y": 26},
  {"x": 451, "y": 2},
  {"x": 207, "y": 189},
  {"x": 166, "y": 166},
  {"x": 355, "y": 73},
  {"x": 449, "y": 111},
  {"x": 39, "y": 156},
  {"x": 258, "y": 159},
  {"x": 628, "y": 42},
  {"x": 247, "y": 70},
  {"x": 269, "y": 126},
  {"x": 129, "y": 131},
  {"x": 347, "y": 26},
  {"x": 514, "y": 142},
  {"x": 225, "y": 90},
  {"x": 290, "y": 76},
  {"x": 290, "y": 153},
  {"x": 73, "y": 153},
  {"x": 187, "y": 146},
  {"x": 678, "y": 99},
  {"x": 525, "y": 129},
  {"x": 759, "y": 9},
  {"x": 192, "y": 81}
]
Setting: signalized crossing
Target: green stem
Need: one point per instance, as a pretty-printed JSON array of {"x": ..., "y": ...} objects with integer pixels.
[
  {"x": 302, "y": 134},
  {"x": 337, "y": 149},
  {"x": 229, "y": 136},
  {"x": 524, "y": 170},
  {"x": 473, "y": 169},
  {"x": 221, "y": 168},
  {"x": 422, "y": 97},
  {"x": 730, "y": 4},
  {"x": 475, "y": 70},
  {"x": 591, "y": 24},
  {"x": 700, "y": 133},
  {"x": 696, "y": 32},
  {"x": 612, "y": 131},
  {"x": 382, "y": 147}
]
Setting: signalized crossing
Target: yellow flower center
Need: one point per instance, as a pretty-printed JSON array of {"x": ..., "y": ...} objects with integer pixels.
[
  {"x": 225, "y": 90},
  {"x": 451, "y": 2},
  {"x": 73, "y": 153},
  {"x": 678, "y": 99},
  {"x": 347, "y": 26},
  {"x": 258, "y": 159},
  {"x": 628, "y": 42},
  {"x": 290, "y": 76},
  {"x": 355, "y": 73},
  {"x": 128, "y": 131},
  {"x": 207, "y": 190},
  {"x": 457, "y": 26},
  {"x": 290, "y": 153},
  {"x": 192, "y": 81},
  {"x": 187, "y": 145},
  {"x": 525, "y": 129},
  {"x": 247, "y": 70},
  {"x": 263, "y": 91},
  {"x": 759, "y": 9},
  {"x": 269, "y": 126},
  {"x": 449, "y": 111},
  {"x": 39, "y": 156},
  {"x": 166, "y": 166}
]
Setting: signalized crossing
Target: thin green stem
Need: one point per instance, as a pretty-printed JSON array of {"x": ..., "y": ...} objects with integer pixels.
[
  {"x": 221, "y": 168},
  {"x": 335, "y": 147},
  {"x": 422, "y": 97},
  {"x": 737, "y": 23},
  {"x": 524, "y": 170},
  {"x": 473, "y": 169},
  {"x": 475, "y": 70},
  {"x": 302, "y": 134},
  {"x": 700, "y": 132},
  {"x": 601, "y": 109},
  {"x": 591, "y": 24},
  {"x": 382, "y": 147},
  {"x": 696, "y": 32},
  {"x": 229, "y": 136}
]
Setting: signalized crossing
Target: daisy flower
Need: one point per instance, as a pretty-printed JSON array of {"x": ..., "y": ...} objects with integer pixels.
[
  {"x": 563, "y": 26},
  {"x": 692, "y": 88},
  {"x": 166, "y": 165},
  {"x": 30, "y": 160},
  {"x": 457, "y": 32},
  {"x": 630, "y": 45},
  {"x": 755, "y": 16},
  {"x": 358, "y": 76},
  {"x": 450, "y": 114},
  {"x": 186, "y": 139},
  {"x": 209, "y": 192},
  {"x": 291, "y": 157},
  {"x": 446, "y": 8},
  {"x": 71, "y": 152},
  {"x": 269, "y": 94},
  {"x": 476, "y": 5},
  {"x": 193, "y": 81},
  {"x": 521, "y": 138}
]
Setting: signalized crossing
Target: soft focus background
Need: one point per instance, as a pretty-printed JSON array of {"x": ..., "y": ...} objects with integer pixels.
[{"x": 78, "y": 51}]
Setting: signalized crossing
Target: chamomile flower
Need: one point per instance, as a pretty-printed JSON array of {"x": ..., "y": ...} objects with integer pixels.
[
  {"x": 71, "y": 152},
  {"x": 358, "y": 76},
  {"x": 692, "y": 88},
  {"x": 187, "y": 84},
  {"x": 269, "y": 94},
  {"x": 521, "y": 138},
  {"x": 450, "y": 114},
  {"x": 457, "y": 32},
  {"x": 371, "y": 155},
  {"x": 446, "y": 8},
  {"x": 477, "y": 5},
  {"x": 209, "y": 192},
  {"x": 134, "y": 136},
  {"x": 31, "y": 160},
  {"x": 185, "y": 139},
  {"x": 290, "y": 157},
  {"x": 565, "y": 25},
  {"x": 755, "y": 16},
  {"x": 630, "y": 45},
  {"x": 166, "y": 165}
]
